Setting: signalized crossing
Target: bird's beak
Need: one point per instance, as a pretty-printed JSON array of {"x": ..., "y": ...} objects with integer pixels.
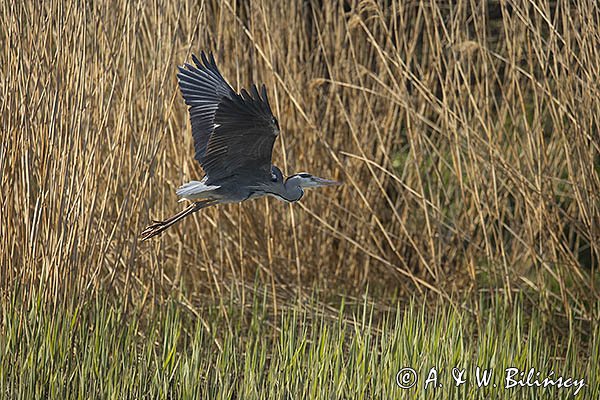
[{"x": 324, "y": 182}]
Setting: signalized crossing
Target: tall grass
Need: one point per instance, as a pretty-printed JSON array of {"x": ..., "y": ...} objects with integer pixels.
[
  {"x": 95, "y": 351},
  {"x": 466, "y": 135}
]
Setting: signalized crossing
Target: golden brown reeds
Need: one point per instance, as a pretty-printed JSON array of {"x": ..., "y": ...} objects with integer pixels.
[{"x": 467, "y": 136}]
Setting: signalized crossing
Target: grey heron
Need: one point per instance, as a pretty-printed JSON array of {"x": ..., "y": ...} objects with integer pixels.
[{"x": 233, "y": 137}]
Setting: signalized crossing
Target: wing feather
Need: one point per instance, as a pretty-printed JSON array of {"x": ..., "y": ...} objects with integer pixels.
[
  {"x": 202, "y": 87},
  {"x": 233, "y": 133}
]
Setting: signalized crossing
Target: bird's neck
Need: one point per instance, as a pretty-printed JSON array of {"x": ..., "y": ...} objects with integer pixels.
[{"x": 293, "y": 192}]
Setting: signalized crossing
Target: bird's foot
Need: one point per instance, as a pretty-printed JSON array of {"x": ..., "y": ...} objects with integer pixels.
[{"x": 156, "y": 228}]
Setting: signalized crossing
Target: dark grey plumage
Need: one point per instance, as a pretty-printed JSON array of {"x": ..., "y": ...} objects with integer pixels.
[
  {"x": 233, "y": 133},
  {"x": 202, "y": 87}
]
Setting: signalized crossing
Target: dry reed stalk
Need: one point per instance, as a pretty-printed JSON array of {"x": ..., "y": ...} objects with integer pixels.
[{"x": 467, "y": 136}]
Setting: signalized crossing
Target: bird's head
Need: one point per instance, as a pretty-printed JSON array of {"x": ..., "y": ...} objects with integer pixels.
[{"x": 305, "y": 180}]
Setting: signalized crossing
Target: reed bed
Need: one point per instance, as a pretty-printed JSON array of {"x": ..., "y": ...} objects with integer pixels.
[{"x": 466, "y": 135}]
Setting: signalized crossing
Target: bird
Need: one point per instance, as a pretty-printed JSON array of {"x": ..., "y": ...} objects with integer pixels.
[{"x": 234, "y": 134}]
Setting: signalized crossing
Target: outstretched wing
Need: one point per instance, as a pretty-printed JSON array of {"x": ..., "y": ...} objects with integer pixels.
[
  {"x": 242, "y": 142},
  {"x": 233, "y": 133},
  {"x": 203, "y": 87}
]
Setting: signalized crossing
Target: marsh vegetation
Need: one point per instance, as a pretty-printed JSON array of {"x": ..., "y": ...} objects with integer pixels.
[{"x": 467, "y": 136}]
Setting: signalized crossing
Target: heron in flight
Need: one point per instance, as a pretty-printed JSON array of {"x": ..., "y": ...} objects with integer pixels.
[{"x": 233, "y": 140}]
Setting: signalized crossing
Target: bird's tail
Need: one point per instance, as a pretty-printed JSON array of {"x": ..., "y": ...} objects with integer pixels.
[{"x": 159, "y": 227}]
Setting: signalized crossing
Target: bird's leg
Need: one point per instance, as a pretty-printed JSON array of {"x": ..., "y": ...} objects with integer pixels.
[{"x": 160, "y": 226}]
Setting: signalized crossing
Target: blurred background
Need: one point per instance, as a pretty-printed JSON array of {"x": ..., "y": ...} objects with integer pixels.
[{"x": 467, "y": 137}]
